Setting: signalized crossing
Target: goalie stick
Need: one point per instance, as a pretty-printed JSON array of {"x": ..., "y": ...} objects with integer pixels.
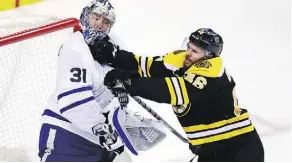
[{"x": 154, "y": 114}]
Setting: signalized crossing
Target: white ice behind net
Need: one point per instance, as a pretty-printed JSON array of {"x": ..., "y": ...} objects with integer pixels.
[{"x": 27, "y": 79}]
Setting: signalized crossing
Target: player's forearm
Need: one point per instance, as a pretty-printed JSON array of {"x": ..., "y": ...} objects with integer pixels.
[
  {"x": 152, "y": 89},
  {"x": 159, "y": 90},
  {"x": 145, "y": 66}
]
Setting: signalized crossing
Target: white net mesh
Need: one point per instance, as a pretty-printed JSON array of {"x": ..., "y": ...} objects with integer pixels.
[{"x": 27, "y": 79}]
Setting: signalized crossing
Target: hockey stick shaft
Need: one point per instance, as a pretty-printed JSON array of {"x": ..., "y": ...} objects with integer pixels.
[{"x": 154, "y": 114}]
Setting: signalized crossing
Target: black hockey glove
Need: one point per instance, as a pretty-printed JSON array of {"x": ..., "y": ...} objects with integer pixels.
[
  {"x": 104, "y": 51},
  {"x": 114, "y": 76}
]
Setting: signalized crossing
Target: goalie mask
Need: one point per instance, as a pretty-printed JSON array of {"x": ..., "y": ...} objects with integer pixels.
[{"x": 96, "y": 10}]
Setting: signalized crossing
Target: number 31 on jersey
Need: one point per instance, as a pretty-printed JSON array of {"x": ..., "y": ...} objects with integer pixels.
[{"x": 78, "y": 75}]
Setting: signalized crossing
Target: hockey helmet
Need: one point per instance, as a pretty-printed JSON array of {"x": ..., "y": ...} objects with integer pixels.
[
  {"x": 208, "y": 40},
  {"x": 101, "y": 7}
]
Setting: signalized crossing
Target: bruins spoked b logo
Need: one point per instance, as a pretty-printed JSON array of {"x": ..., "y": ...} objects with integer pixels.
[
  {"x": 203, "y": 63},
  {"x": 181, "y": 110}
]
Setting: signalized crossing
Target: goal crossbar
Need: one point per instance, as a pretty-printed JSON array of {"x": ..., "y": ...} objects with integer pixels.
[{"x": 34, "y": 32}]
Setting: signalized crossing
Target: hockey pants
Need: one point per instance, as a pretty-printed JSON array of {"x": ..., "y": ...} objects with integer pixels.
[{"x": 59, "y": 145}]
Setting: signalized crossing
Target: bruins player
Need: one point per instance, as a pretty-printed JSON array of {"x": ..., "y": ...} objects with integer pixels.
[{"x": 201, "y": 91}]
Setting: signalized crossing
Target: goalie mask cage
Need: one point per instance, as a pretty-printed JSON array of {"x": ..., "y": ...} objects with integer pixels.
[{"x": 28, "y": 60}]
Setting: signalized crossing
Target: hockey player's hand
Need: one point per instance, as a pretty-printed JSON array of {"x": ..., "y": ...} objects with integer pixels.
[
  {"x": 108, "y": 137},
  {"x": 112, "y": 77},
  {"x": 104, "y": 51}
]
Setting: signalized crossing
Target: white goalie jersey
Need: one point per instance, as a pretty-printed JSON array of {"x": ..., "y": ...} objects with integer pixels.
[{"x": 80, "y": 98}]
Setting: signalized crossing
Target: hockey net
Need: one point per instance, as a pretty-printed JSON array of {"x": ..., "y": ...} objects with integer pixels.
[{"x": 28, "y": 54}]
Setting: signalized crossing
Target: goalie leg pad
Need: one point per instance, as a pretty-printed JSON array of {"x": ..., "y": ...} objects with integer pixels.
[
  {"x": 137, "y": 132},
  {"x": 145, "y": 138},
  {"x": 145, "y": 133},
  {"x": 118, "y": 120}
]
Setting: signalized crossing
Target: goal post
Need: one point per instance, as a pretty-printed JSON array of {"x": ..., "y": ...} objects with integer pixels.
[{"x": 28, "y": 62}]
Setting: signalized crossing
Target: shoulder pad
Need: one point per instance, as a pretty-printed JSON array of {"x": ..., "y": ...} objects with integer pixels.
[
  {"x": 209, "y": 68},
  {"x": 174, "y": 60}
]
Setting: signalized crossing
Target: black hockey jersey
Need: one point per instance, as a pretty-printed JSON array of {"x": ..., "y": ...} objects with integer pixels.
[{"x": 203, "y": 97}]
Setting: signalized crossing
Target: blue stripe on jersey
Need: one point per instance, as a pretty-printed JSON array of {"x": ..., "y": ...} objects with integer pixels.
[
  {"x": 77, "y": 103},
  {"x": 87, "y": 88},
  {"x": 50, "y": 113}
]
